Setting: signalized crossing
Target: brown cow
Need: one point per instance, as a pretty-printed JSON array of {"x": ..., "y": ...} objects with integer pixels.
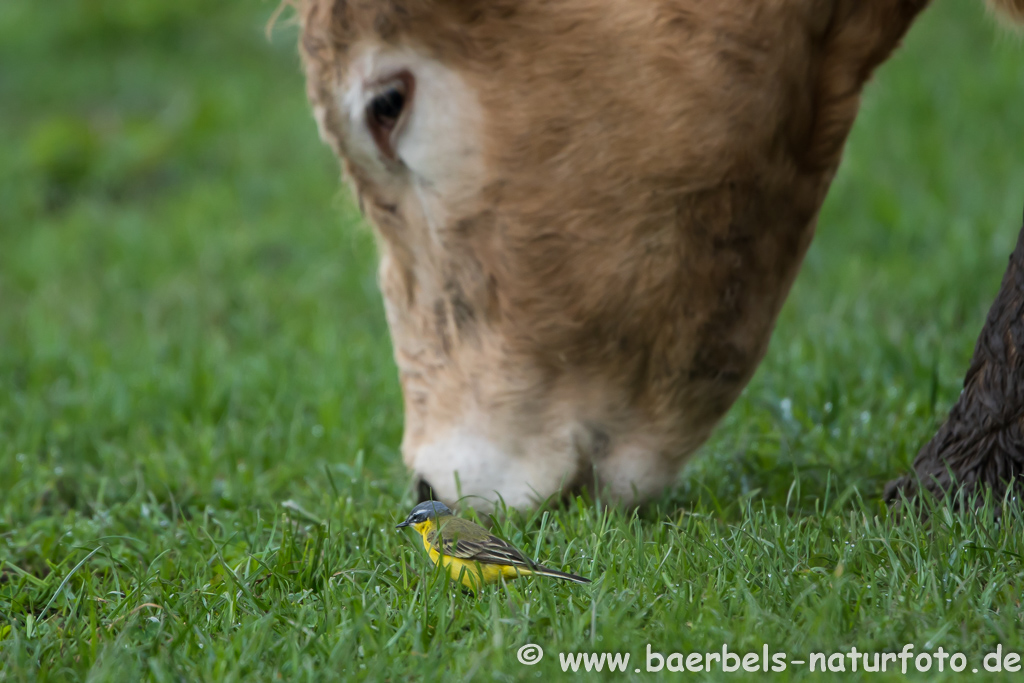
[{"x": 590, "y": 212}]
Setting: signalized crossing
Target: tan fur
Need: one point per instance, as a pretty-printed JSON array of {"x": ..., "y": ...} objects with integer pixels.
[
  {"x": 1012, "y": 9},
  {"x": 653, "y": 170}
]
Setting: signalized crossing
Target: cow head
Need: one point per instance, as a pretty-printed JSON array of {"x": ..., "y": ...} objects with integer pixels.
[{"x": 589, "y": 211}]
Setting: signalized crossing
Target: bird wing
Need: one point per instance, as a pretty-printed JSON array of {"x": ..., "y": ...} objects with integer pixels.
[{"x": 469, "y": 543}]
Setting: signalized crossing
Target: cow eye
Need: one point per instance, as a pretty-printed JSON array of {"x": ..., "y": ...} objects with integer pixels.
[
  {"x": 386, "y": 108},
  {"x": 385, "y": 111}
]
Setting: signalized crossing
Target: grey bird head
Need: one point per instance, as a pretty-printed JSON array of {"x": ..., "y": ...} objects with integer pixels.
[{"x": 428, "y": 509}]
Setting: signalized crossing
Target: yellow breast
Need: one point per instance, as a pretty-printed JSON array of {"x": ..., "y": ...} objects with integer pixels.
[{"x": 469, "y": 572}]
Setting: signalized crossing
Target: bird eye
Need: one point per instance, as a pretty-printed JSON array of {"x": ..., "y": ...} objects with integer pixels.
[{"x": 384, "y": 111}]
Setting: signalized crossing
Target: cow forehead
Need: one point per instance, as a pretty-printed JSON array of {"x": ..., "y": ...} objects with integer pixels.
[{"x": 559, "y": 94}]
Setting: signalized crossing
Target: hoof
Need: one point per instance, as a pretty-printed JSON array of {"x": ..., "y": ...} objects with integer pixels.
[{"x": 981, "y": 444}]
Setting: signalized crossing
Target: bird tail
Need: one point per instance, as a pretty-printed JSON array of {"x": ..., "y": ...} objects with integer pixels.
[{"x": 540, "y": 570}]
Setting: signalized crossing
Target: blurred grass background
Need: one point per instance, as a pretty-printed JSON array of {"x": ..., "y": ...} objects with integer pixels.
[{"x": 191, "y": 334}]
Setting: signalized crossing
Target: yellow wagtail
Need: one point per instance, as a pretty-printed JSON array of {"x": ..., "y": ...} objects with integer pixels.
[{"x": 468, "y": 551}]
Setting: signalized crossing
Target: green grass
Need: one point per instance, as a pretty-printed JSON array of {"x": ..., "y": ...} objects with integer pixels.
[{"x": 195, "y": 372}]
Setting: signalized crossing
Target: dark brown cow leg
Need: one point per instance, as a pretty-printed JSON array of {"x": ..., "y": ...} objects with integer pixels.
[{"x": 982, "y": 440}]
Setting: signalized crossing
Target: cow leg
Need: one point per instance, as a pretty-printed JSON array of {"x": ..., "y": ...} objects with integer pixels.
[{"x": 982, "y": 441}]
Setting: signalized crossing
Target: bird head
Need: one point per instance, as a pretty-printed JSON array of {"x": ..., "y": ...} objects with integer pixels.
[{"x": 425, "y": 511}]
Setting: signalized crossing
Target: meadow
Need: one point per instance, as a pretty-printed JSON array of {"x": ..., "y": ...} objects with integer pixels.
[{"x": 200, "y": 415}]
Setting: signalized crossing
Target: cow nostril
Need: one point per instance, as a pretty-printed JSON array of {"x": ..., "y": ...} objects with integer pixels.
[{"x": 425, "y": 491}]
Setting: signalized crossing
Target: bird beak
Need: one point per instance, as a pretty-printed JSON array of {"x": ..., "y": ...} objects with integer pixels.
[{"x": 402, "y": 525}]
